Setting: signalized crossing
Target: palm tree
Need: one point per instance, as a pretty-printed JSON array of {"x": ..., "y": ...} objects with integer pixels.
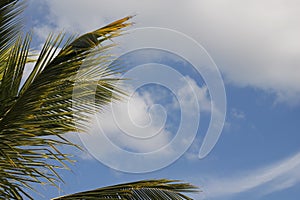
[{"x": 37, "y": 111}]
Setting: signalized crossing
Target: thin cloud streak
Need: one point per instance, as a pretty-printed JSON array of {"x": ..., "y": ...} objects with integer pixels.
[{"x": 275, "y": 177}]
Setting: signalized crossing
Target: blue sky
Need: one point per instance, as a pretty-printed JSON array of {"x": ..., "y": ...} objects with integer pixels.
[{"x": 255, "y": 47}]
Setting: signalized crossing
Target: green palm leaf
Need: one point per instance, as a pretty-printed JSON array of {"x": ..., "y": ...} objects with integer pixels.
[
  {"x": 146, "y": 190},
  {"x": 44, "y": 106},
  {"x": 10, "y": 23}
]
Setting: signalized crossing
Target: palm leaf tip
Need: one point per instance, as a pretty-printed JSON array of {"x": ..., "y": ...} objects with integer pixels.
[{"x": 146, "y": 189}]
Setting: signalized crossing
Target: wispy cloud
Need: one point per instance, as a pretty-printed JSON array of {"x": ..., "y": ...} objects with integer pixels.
[
  {"x": 237, "y": 114},
  {"x": 272, "y": 178}
]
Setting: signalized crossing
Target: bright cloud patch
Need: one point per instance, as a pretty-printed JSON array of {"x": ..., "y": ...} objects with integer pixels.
[
  {"x": 140, "y": 123},
  {"x": 135, "y": 125},
  {"x": 254, "y": 44},
  {"x": 148, "y": 129}
]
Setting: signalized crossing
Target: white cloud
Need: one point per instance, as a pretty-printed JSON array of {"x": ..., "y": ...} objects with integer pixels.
[
  {"x": 254, "y": 43},
  {"x": 237, "y": 114},
  {"x": 43, "y": 31},
  {"x": 265, "y": 180},
  {"x": 137, "y": 130},
  {"x": 186, "y": 93},
  {"x": 135, "y": 125},
  {"x": 139, "y": 124}
]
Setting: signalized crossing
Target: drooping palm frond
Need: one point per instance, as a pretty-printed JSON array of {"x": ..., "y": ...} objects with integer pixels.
[
  {"x": 146, "y": 190},
  {"x": 44, "y": 104}
]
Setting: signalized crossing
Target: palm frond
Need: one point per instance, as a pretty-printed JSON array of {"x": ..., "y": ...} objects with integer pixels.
[
  {"x": 13, "y": 52},
  {"x": 10, "y": 22},
  {"x": 13, "y": 72},
  {"x": 147, "y": 190},
  {"x": 44, "y": 106}
]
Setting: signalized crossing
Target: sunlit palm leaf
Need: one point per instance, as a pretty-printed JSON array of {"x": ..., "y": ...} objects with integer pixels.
[
  {"x": 147, "y": 190},
  {"x": 10, "y": 24},
  {"x": 10, "y": 42},
  {"x": 44, "y": 106}
]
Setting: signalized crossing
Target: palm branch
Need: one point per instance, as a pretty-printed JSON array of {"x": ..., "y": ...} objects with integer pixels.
[
  {"x": 43, "y": 106},
  {"x": 146, "y": 190}
]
